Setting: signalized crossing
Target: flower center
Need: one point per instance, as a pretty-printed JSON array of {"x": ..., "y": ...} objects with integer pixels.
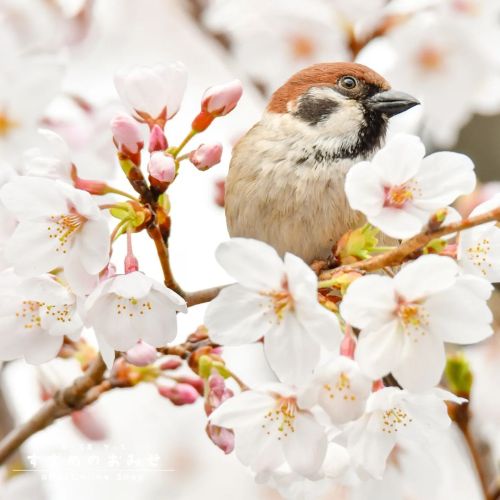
[
  {"x": 280, "y": 300},
  {"x": 430, "y": 58},
  {"x": 397, "y": 196},
  {"x": 414, "y": 318},
  {"x": 302, "y": 47},
  {"x": 63, "y": 227},
  {"x": 279, "y": 422},
  {"x": 132, "y": 306},
  {"x": 394, "y": 419},
  {"x": 342, "y": 387},
  {"x": 30, "y": 313},
  {"x": 6, "y": 124},
  {"x": 478, "y": 255}
]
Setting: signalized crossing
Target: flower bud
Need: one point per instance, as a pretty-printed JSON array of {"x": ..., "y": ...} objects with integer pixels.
[
  {"x": 219, "y": 100},
  {"x": 179, "y": 394},
  {"x": 222, "y": 438},
  {"x": 142, "y": 354},
  {"x": 220, "y": 192},
  {"x": 195, "y": 382},
  {"x": 127, "y": 134},
  {"x": 206, "y": 155},
  {"x": 157, "y": 140},
  {"x": 161, "y": 167},
  {"x": 348, "y": 344},
  {"x": 171, "y": 363},
  {"x": 217, "y": 392}
]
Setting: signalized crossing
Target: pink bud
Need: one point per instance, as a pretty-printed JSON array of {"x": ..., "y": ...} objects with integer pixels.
[
  {"x": 348, "y": 345},
  {"x": 161, "y": 167},
  {"x": 223, "y": 438},
  {"x": 219, "y": 100},
  {"x": 206, "y": 155},
  {"x": 179, "y": 394},
  {"x": 131, "y": 264},
  {"x": 220, "y": 192},
  {"x": 89, "y": 425},
  {"x": 377, "y": 385},
  {"x": 171, "y": 363},
  {"x": 142, "y": 354},
  {"x": 157, "y": 140},
  {"x": 195, "y": 382},
  {"x": 217, "y": 392},
  {"x": 127, "y": 134}
]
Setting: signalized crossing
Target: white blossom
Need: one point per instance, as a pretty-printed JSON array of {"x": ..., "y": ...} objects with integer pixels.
[
  {"x": 405, "y": 320},
  {"x": 274, "y": 299},
  {"x": 271, "y": 429},
  {"x": 392, "y": 415},
  {"x": 478, "y": 250},
  {"x": 399, "y": 189},
  {"x": 152, "y": 92},
  {"x": 340, "y": 388},
  {"x": 131, "y": 307},
  {"x": 35, "y": 314},
  {"x": 50, "y": 158},
  {"x": 58, "y": 226}
]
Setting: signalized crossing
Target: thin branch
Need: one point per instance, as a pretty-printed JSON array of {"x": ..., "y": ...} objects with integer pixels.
[
  {"x": 410, "y": 247},
  {"x": 63, "y": 403}
]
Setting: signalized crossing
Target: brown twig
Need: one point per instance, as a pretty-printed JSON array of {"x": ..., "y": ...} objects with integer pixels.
[
  {"x": 63, "y": 403},
  {"x": 410, "y": 247}
]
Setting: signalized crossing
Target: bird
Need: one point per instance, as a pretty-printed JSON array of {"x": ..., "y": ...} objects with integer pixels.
[{"x": 285, "y": 184}]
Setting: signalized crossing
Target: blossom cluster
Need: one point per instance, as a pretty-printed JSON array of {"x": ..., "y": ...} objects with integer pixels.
[
  {"x": 429, "y": 48},
  {"x": 358, "y": 357},
  {"x": 57, "y": 274}
]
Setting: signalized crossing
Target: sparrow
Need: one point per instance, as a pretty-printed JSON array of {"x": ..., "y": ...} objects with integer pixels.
[{"x": 286, "y": 176}]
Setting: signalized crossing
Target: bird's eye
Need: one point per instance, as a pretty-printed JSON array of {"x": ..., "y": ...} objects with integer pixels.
[{"x": 348, "y": 82}]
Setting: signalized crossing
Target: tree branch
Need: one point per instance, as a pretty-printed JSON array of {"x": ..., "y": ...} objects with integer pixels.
[{"x": 410, "y": 247}]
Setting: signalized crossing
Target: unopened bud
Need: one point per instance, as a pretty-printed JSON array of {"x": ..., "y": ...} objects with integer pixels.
[
  {"x": 127, "y": 137},
  {"x": 142, "y": 354},
  {"x": 218, "y": 100},
  {"x": 377, "y": 385},
  {"x": 195, "y": 382},
  {"x": 157, "y": 139},
  {"x": 179, "y": 394},
  {"x": 161, "y": 167},
  {"x": 171, "y": 363},
  {"x": 222, "y": 438},
  {"x": 220, "y": 192},
  {"x": 206, "y": 155},
  {"x": 348, "y": 344}
]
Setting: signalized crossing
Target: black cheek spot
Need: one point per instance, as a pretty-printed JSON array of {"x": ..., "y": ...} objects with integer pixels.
[{"x": 314, "y": 111}]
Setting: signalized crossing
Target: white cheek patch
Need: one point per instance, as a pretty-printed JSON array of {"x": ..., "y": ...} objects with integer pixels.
[{"x": 347, "y": 119}]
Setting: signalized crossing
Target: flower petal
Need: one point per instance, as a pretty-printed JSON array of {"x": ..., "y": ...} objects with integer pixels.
[
  {"x": 413, "y": 282},
  {"x": 364, "y": 189},
  {"x": 254, "y": 264},
  {"x": 92, "y": 245},
  {"x": 238, "y": 316},
  {"x": 305, "y": 448},
  {"x": 398, "y": 223},
  {"x": 378, "y": 350}
]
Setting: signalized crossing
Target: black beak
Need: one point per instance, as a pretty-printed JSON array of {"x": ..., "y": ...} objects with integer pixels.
[{"x": 391, "y": 102}]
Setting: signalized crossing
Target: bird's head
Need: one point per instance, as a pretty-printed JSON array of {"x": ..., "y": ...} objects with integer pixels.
[{"x": 344, "y": 100}]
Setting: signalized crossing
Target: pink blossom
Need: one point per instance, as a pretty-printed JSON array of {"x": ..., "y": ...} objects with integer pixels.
[
  {"x": 179, "y": 394},
  {"x": 126, "y": 133},
  {"x": 157, "y": 139}
]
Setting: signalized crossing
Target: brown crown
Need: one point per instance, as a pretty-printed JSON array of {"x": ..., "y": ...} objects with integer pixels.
[{"x": 321, "y": 74}]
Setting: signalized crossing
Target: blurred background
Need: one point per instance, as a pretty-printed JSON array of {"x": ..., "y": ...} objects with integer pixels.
[{"x": 58, "y": 58}]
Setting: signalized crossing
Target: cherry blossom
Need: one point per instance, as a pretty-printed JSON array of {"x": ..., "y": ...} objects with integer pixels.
[
  {"x": 35, "y": 314},
  {"x": 152, "y": 93},
  {"x": 51, "y": 158},
  {"x": 391, "y": 415},
  {"x": 478, "y": 250},
  {"x": 405, "y": 320},
  {"x": 274, "y": 299},
  {"x": 399, "y": 189},
  {"x": 340, "y": 388},
  {"x": 271, "y": 429},
  {"x": 59, "y": 226},
  {"x": 131, "y": 307}
]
